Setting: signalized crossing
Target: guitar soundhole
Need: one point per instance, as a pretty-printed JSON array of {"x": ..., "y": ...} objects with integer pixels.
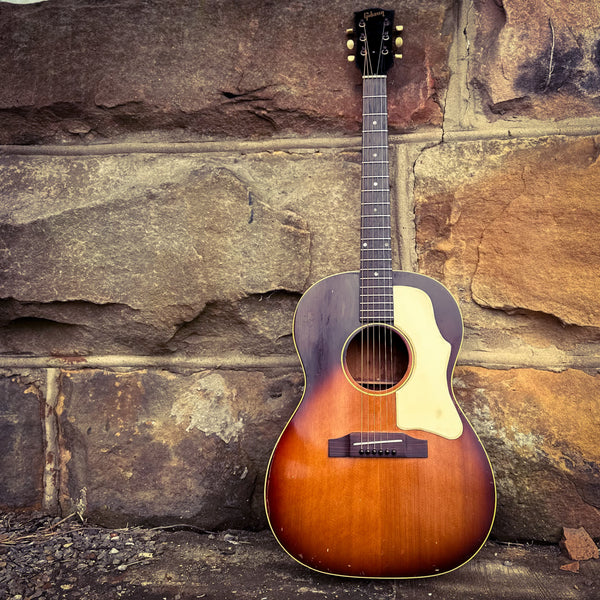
[{"x": 377, "y": 358}]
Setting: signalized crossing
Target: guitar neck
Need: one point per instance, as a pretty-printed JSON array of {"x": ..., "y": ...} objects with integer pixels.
[{"x": 376, "y": 292}]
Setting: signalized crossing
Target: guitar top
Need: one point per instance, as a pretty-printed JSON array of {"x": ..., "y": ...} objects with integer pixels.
[{"x": 378, "y": 473}]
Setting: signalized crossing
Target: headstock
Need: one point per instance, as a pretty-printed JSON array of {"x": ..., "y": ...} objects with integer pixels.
[{"x": 375, "y": 41}]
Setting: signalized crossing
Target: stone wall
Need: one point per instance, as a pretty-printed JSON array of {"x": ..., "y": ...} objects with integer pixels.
[{"x": 176, "y": 174}]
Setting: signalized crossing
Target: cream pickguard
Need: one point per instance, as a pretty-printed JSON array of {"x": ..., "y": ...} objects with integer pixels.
[{"x": 424, "y": 401}]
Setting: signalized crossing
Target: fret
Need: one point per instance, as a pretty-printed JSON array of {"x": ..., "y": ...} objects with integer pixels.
[
  {"x": 385, "y": 305},
  {"x": 366, "y": 297},
  {"x": 375, "y": 306}
]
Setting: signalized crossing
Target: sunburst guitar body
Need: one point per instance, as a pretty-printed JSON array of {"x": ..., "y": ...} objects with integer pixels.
[{"x": 378, "y": 473}]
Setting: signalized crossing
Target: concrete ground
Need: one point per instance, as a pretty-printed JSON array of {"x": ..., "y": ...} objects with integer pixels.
[{"x": 243, "y": 565}]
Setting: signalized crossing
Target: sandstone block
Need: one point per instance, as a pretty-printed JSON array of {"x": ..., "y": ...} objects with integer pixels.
[
  {"x": 117, "y": 254},
  {"x": 159, "y": 447},
  {"x": 192, "y": 70},
  {"x": 511, "y": 225},
  {"x": 540, "y": 430},
  {"x": 21, "y": 445},
  {"x": 536, "y": 58}
]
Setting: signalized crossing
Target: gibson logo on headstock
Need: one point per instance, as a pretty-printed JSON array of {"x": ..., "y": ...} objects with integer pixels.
[{"x": 371, "y": 13}]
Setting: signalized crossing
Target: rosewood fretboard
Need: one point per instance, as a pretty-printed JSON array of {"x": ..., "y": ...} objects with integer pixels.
[{"x": 376, "y": 292}]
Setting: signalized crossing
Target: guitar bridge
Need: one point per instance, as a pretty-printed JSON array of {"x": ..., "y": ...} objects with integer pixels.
[{"x": 377, "y": 445}]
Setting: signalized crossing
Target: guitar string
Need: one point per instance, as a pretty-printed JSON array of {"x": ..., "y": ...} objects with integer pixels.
[
  {"x": 368, "y": 270},
  {"x": 365, "y": 330},
  {"x": 370, "y": 305},
  {"x": 388, "y": 376},
  {"x": 380, "y": 221},
  {"x": 377, "y": 362},
  {"x": 371, "y": 299}
]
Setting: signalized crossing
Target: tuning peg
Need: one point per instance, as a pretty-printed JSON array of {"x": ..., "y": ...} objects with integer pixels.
[
  {"x": 351, "y": 58},
  {"x": 399, "y": 41},
  {"x": 350, "y": 31},
  {"x": 398, "y": 56},
  {"x": 350, "y": 44},
  {"x": 399, "y": 28}
]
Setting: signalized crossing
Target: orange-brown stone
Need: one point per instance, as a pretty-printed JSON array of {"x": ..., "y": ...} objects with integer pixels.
[
  {"x": 516, "y": 222},
  {"x": 541, "y": 431},
  {"x": 578, "y": 545}
]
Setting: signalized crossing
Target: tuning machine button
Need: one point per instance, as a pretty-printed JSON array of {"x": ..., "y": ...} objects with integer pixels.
[
  {"x": 350, "y": 43},
  {"x": 398, "y": 42}
]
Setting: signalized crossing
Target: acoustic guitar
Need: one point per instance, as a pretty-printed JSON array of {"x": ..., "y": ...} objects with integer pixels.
[{"x": 378, "y": 473}]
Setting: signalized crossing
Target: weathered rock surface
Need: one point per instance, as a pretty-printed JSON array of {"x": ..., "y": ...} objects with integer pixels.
[
  {"x": 117, "y": 255},
  {"x": 158, "y": 447},
  {"x": 537, "y": 58},
  {"x": 75, "y": 72},
  {"x": 540, "y": 430},
  {"x": 511, "y": 225},
  {"x": 21, "y": 444}
]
